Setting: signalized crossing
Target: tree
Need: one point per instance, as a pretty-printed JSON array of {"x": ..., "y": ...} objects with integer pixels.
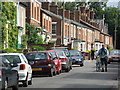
[
  {"x": 32, "y": 33},
  {"x": 71, "y": 5},
  {"x": 111, "y": 17},
  {"x": 98, "y": 8}
]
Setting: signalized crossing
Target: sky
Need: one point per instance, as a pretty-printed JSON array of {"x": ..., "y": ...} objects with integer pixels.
[{"x": 113, "y": 3}]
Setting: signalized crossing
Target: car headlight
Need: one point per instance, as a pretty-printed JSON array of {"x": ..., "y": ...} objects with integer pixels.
[{"x": 78, "y": 59}]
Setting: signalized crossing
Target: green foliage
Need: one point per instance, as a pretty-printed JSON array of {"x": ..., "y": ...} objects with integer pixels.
[
  {"x": 24, "y": 41},
  {"x": 112, "y": 17},
  {"x": 39, "y": 48},
  {"x": 70, "y": 5},
  {"x": 97, "y": 8},
  {"x": 8, "y": 17},
  {"x": 51, "y": 42},
  {"x": 33, "y": 36},
  {"x": 9, "y": 50}
]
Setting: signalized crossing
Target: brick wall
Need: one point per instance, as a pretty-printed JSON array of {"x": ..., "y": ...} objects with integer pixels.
[{"x": 33, "y": 13}]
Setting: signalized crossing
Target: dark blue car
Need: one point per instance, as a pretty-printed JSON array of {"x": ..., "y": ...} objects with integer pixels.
[
  {"x": 8, "y": 76},
  {"x": 77, "y": 57}
]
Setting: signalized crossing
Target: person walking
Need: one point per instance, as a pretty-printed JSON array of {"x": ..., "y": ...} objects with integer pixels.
[
  {"x": 92, "y": 54},
  {"x": 103, "y": 54}
]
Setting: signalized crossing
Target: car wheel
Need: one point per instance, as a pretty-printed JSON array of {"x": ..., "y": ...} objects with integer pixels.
[
  {"x": 67, "y": 70},
  {"x": 108, "y": 62},
  {"x": 55, "y": 72},
  {"x": 58, "y": 72},
  {"x": 30, "y": 82},
  {"x": 81, "y": 65},
  {"x": 51, "y": 73},
  {"x": 25, "y": 83},
  {"x": 71, "y": 67},
  {"x": 5, "y": 85},
  {"x": 15, "y": 87}
]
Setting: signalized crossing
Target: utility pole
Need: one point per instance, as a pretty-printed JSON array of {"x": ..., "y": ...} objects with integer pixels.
[
  {"x": 62, "y": 31},
  {"x": 115, "y": 35}
]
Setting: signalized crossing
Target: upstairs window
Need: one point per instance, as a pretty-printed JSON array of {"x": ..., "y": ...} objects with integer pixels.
[{"x": 54, "y": 28}]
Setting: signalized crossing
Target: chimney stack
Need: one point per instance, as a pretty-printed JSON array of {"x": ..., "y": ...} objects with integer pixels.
[
  {"x": 54, "y": 9},
  {"x": 46, "y": 5},
  {"x": 77, "y": 15},
  {"x": 67, "y": 14},
  {"x": 91, "y": 14},
  {"x": 60, "y": 11},
  {"x": 72, "y": 15}
]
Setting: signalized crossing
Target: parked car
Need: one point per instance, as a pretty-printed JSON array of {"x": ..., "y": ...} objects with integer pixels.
[
  {"x": 42, "y": 63},
  {"x": 67, "y": 54},
  {"x": 77, "y": 57},
  {"x": 114, "y": 56},
  {"x": 8, "y": 76},
  {"x": 23, "y": 68},
  {"x": 64, "y": 60},
  {"x": 56, "y": 60}
]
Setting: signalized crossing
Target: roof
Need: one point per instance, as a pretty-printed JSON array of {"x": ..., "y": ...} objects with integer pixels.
[
  {"x": 84, "y": 25},
  {"x": 105, "y": 34},
  {"x": 60, "y": 17}
]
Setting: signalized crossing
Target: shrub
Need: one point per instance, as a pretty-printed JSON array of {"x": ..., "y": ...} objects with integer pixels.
[
  {"x": 9, "y": 50},
  {"x": 39, "y": 48}
]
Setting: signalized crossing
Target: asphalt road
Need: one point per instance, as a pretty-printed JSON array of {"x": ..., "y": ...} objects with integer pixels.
[{"x": 80, "y": 77}]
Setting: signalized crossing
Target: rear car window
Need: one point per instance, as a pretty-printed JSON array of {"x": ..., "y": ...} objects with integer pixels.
[
  {"x": 53, "y": 54},
  {"x": 75, "y": 53},
  {"x": 115, "y": 52},
  {"x": 12, "y": 58},
  {"x": 36, "y": 56}
]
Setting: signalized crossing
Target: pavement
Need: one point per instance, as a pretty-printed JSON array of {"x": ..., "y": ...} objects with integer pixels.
[{"x": 80, "y": 78}]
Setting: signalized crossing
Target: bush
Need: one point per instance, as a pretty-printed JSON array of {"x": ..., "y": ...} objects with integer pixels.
[
  {"x": 39, "y": 48},
  {"x": 9, "y": 50}
]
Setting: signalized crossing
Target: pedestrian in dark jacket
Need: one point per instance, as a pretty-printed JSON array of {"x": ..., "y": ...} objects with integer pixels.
[{"x": 92, "y": 54}]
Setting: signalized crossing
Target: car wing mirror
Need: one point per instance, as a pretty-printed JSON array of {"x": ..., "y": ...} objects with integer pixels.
[{"x": 13, "y": 64}]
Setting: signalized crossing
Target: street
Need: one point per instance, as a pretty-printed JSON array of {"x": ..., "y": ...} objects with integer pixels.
[{"x": 80, "y": 77}]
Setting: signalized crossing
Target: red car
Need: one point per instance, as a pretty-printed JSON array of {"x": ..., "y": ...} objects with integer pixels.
[
  {"x": 114, "y": 56},
  {"x": 42, "y": 63},
  {"x": 56, "y": 60}
]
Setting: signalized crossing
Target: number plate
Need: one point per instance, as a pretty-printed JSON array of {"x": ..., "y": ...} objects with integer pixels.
[{"x": 36, "y": 69}]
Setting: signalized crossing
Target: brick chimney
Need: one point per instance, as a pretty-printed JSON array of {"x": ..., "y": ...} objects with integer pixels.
[
  {"x": 54, "y": 9},
  {"x": 72, "y": 15},
  {"x": 88, "y": 13},
  {"x": 82, "y": 9},
  {"x": 46, "y": 5},
  {"x": 91, "y": 14},
  {"x": 67, "y": 14},
  {"x": 60, "y": 11},
  {"x": 77, "y": 15}
]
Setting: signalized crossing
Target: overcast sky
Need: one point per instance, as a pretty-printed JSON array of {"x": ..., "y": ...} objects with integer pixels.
[{"x": 113, "y": 3}]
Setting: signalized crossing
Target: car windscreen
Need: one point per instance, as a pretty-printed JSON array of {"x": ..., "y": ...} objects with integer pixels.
[
  {"x": 65, "y": 51},
  {"x": 53, "y": 54},
  {"x": 60, "y": 53},
  {"x": 75, "y": 53},
  {"x": 13, "y": 58},
  {"x": 36, "y": 56},
  {"x": 115, "y": 52}
]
